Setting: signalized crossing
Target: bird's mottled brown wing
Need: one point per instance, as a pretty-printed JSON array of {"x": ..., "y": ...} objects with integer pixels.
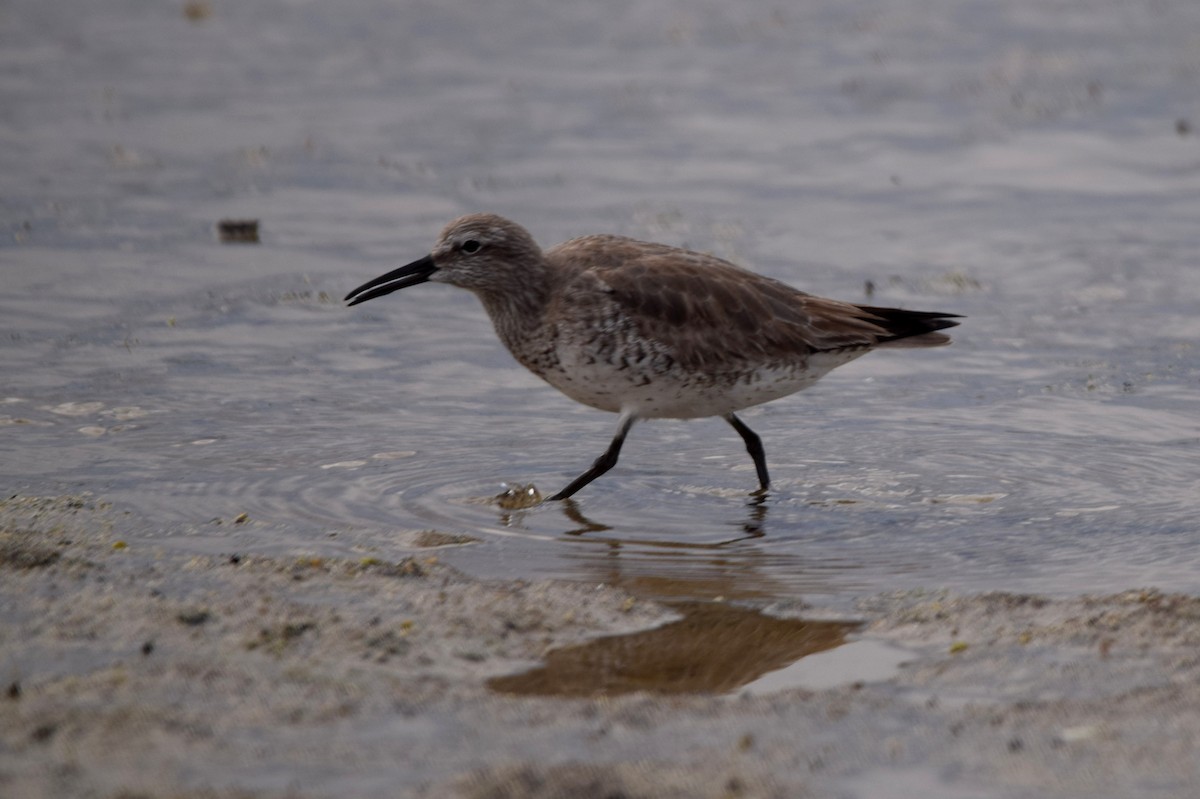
[{"x": 704, "y": 310}]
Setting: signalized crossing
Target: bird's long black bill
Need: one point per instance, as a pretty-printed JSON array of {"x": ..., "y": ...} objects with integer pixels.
[{"x": 405, "y": 276}]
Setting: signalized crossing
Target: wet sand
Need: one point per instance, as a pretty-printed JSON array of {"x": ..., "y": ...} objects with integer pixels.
[{"x": 134, "y": 672}]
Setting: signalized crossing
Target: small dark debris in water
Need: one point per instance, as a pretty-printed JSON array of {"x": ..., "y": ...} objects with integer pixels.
[
  {"x": 238, "y": 231},
  {"x": 241, "y": 518},
  {"x": 235, "y": 559},
  {"x": 519, "y": 497},
  {"x": 147, "y": 647},
  {"x": 1015, "y": 745},
  {"x": 197, "y": 10},
  {"x": 44, "y": 732},
  {"x": 1183, "y": 127},
  {"x": 14, "y": 690},
  {"x": 194, "y": 618}
]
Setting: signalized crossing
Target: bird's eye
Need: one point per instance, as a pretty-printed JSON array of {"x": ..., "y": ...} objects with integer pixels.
[{"x": 471, "y": 246}]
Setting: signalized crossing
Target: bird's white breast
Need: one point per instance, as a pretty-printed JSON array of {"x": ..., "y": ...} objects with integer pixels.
[{"x": 678, "y": 394}]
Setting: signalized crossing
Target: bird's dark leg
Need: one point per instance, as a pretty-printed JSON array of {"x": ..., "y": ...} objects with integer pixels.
[
  {"x": 754, "y": 447},
  {"x": 604, "y": 462}
]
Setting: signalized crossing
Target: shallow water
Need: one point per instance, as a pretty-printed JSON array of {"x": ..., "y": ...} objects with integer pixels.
[{"x": 1029, "y": 166}]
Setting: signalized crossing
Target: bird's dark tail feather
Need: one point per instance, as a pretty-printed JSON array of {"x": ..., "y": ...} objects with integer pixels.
[{"x": 911, "y": 328}]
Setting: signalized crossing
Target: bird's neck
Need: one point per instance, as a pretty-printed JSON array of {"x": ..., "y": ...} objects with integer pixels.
[{"x": 520, "y": 321}]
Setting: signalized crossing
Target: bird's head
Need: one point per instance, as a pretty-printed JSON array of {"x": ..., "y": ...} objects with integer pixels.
[{"x": 479, "y": 252}]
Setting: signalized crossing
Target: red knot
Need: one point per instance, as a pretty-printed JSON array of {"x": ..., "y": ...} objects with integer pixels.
[{"x": 650, "y": 331}]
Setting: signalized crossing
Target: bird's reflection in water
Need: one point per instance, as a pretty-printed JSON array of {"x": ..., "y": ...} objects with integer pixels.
[
  {"x": 752, "y": 527},
  {"x": 715, "y": 648},
  {"x": 670, "y": 568},
  {"x": 730, "y": 558}
]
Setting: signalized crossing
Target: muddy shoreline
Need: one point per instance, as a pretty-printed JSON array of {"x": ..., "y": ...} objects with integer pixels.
[{"x": 138, "y": 672}]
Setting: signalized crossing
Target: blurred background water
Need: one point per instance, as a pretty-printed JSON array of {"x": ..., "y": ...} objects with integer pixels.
[{"x": 1031, "y": 165}]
